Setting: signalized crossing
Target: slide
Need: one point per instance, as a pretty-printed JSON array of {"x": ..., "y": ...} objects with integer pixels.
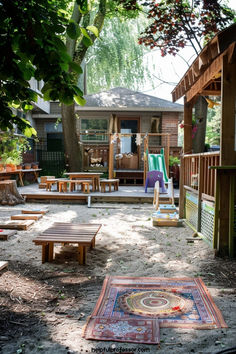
[{"x": 157, "y": 162}]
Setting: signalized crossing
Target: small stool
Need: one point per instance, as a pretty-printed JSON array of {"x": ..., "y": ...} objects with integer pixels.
[
  {"x": 62, "y": 186},
  {"x": 85, "y": 186},
  {"x": 50, "y": 182},
  {"x": 109, "y": 183}
]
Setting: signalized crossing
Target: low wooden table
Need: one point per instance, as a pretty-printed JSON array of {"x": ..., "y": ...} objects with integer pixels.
[
  {"x": 67, "y": 233},
  {"x": 109, "y": 183}
]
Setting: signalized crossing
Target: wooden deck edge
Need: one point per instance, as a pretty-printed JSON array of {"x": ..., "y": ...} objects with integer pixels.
[
  {"x": 83, "y": 199},
  {"x": 121, "y": 199}
]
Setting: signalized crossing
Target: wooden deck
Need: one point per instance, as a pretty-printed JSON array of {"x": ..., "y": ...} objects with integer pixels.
[{"x": 125, "y": 194}]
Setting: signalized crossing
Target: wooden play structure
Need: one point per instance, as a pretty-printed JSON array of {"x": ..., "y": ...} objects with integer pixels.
[
  {"x": 207, "y": 182},
  {"x": 117, "y": 160}
]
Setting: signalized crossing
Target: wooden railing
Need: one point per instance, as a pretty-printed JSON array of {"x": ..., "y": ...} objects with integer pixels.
[{"x": 197, "y": 174}]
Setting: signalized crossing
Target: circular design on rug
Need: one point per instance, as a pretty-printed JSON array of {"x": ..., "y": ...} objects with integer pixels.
[{"x": 154, "y": 303}]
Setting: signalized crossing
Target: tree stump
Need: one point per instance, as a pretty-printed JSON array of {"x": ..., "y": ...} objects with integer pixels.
[{"x": 9, "y": 194}]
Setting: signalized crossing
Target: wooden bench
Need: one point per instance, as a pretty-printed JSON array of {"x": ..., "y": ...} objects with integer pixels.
[
  {"x": 68, "y": 233},
  {"x": 109, "y": 183}
]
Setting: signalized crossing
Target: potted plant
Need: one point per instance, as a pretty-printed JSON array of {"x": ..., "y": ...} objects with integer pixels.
[
  {"x": 9, "y": 164},
  {"x": 27, "y": 165},
  {"x": 35, "y": 165}
]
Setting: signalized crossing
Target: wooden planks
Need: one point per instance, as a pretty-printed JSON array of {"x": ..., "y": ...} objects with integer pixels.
[
  {"x": 4, "y": 234},
  {"x": 3, "y": 264},
  {"x": 35, "y": 211},
  {"x": 17, "y": 224},
  {"x": 26, "y": 217}
]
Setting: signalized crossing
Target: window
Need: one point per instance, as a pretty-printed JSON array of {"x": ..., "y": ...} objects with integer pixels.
[{"x": 94, "y": 130}]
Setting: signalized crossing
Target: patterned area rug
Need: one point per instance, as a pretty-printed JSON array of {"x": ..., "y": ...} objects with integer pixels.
[{"x": 131, "y": 309}]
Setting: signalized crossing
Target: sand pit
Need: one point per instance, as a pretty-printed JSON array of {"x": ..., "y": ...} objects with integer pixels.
[{"x": 44, "y": 306}]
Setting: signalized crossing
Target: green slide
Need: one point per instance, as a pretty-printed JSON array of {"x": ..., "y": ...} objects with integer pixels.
[{"x": 157, "y": 162}]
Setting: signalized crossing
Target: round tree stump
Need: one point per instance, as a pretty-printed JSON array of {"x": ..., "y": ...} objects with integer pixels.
[{"x": 9, "y": 194}]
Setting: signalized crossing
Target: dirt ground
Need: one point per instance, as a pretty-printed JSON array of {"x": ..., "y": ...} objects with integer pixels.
[{"x": 44, "y": 306}]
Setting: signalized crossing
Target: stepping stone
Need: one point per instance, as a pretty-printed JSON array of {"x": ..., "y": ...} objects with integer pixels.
[
  {"x": 17, "y": 225},
  {"x": 26, "y": 217},
  {"x": 3, "y": 264},
  {"x": 36, "y": 211},
  {"x": 4, "y": 234}
]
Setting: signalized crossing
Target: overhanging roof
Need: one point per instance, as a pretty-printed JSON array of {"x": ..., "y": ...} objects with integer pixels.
[
  {"x": 204, "y": 75},
  {"x": 122, "y": 99}
]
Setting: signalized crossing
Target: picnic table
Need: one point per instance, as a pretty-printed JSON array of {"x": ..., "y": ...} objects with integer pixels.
[
  {"x": 93, "y": 176},
  {"x": 67, "y": 233}
]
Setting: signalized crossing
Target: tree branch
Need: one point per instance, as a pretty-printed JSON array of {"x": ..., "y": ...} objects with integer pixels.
[{"x": 98, "y": 23}]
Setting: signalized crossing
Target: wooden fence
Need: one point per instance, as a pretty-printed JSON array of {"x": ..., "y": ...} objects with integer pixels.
[
  {"x": 197, "y": 173},
  {"x": 197, "y": 192}
]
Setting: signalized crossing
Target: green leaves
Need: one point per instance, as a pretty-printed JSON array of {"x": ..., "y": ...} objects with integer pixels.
[
  {"x": 83, "y": 6},
  {"x": 94, "y": 30},
  {"x": 87, "y": 41},
  {"x": 76, "y": 68},
  {"x": 73, "y": 30},
  {"x": 80, "y": 100},
  {"x": 29, "y": 131}
]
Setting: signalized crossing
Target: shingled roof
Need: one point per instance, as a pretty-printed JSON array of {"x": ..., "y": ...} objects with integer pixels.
[{"x": 122, "y": 99}]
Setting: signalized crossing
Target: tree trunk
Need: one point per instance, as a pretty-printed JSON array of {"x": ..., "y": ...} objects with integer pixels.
[
  {"x": 201, "y": 119},
  {"x": 73, "y": 150},
  {"x": 9, "y": 194}
]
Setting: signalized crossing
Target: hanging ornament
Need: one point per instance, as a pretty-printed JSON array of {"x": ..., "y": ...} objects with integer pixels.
[
  {"x": 113, "y": 138},
  {"x": 138, "y": 139}
]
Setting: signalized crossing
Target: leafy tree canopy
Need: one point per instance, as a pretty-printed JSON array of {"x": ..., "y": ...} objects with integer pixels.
[
  {"x": 177, "y": 23},
  {"x": 117, "y": 59},
  {"x": 31, "y": 46}
]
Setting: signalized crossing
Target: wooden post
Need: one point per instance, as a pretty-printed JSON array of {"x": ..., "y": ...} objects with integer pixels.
[
  {"x": 145, "y": 162},
  {"x": 227, "y": 150},
  {"x": 216, "y": 216},
  {"x": 231, "y": 215},
  {"x": 181, "y": 188},
  {"x": 200, "y": 190},
  {"x": 187, "y": 127},
  {"x": 111, "y": 157},
  {"x": 167, "y": 155},
  {"x": 223, "y": 235},
  {"x": 228, "y": 112}
]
